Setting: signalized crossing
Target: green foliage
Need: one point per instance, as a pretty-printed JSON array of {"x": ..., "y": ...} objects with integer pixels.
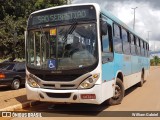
[
  {"x": 152, "y": 62},
  {"x": 155, "y": 61},
  {"x": 13, "y": 17}
]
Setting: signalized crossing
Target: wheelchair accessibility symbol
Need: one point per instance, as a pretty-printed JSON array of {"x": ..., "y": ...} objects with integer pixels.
[{"x": 51, "y": 64}]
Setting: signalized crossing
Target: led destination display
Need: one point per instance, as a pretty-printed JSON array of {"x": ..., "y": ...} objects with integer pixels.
[{"x": 62, "y": 15}]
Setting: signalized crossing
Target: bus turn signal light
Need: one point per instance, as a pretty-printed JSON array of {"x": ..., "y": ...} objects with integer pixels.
[
  {"x": 95, "y": 76},
  {"x": 2, "y": 76}
]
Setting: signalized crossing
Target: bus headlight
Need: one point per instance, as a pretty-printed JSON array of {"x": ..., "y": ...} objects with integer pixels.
[
  {"x": 89, "y": 82},
  {"x": 32, "y": 83}
]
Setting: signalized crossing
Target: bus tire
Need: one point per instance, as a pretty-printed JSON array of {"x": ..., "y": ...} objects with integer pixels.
[
  {"x": 119, "y": 93},
  {"x": 140, "y": 84}
]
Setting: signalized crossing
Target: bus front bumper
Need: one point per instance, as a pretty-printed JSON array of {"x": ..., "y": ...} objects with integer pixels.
[{"x": 92, "y": 95}]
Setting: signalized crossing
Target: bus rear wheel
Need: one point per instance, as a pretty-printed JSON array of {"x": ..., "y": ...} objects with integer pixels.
[
  {"x": 140, "y": 84},
  {"x": 119, "y": 93}
]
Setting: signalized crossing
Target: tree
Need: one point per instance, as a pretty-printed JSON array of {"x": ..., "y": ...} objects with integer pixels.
[
  {"x": 13, "y": 17},
  {"x": 152, "y": 62},
  {"x": 155, "y": 61}
]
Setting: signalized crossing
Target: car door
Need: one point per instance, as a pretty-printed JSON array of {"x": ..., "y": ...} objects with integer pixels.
[{"x": 20, "y": 71}]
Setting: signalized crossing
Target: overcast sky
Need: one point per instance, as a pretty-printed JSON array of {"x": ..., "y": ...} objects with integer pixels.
[{"x": 147, "y": 16}]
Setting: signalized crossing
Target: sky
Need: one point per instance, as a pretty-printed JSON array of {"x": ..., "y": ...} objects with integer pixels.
[{"x": 147, "y": 16}]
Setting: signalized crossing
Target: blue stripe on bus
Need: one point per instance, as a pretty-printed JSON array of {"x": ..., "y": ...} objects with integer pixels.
[{"x": 128, "y": 64}]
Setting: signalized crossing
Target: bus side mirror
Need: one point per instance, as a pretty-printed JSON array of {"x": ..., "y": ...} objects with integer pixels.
[{"x": 103, "y": 27}]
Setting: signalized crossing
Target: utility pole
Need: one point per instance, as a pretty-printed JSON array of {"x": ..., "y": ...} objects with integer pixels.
[{"x": 134, "y": 17}]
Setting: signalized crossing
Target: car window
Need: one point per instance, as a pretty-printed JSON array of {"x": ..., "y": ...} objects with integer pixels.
[
  {"x": 6, "y": 66},
  {"x": 20, "y": 67}
]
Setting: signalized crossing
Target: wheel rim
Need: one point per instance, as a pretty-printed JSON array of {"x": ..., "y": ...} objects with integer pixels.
[
  {"x": 118, "y": 92},
  {"x": 16, "y": 84}
]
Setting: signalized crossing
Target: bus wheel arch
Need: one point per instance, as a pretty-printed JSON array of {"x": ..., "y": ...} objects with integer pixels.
[
  {"x": 120, "y": 76},
  {"x": 119, "y": 92}
]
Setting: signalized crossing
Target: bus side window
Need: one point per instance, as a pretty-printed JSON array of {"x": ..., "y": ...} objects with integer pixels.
[
  {"x": 107, "y": 40},
  {"x": 110, "y": 38},
  {"x": 107, "y": 49},
  {"x": 146, "y": 51},
  {"x": 138, "y": 46},
  {"x": 133, "y": 45},
  {"x": 142, "y": 47},
  {"x": 125, "y": 39},
  {"x": 117, "y": 38}
]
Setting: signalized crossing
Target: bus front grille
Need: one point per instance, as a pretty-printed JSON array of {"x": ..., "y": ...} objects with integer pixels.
[
  {"x": 61, "y": 86},
  {"x": 57, "y": 78},
  {"x": 59, "y": 95}
]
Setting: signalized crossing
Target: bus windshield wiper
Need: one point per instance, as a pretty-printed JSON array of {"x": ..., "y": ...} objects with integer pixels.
[{"x": 69, "y": 31}]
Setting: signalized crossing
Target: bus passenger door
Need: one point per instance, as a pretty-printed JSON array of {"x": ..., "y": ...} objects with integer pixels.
[
  {"x": 107, "y": 55},
  {"x": 107, "y": 58}
]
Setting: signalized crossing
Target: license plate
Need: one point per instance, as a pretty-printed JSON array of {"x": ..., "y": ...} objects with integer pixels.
[{"x": 88, "y": 96}]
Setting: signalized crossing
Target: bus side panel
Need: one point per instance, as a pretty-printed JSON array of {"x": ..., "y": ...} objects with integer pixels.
[
  {"x": 108, "y": 71},
  {"x": 107, "y": 80},
  {"x": 135, "y": 65},
  {"x": 118, "y": 63},
  {"x": 135, "y": 75},
  {"x": 139, "y": 64},
  {"x": 144, "y": 63},
  {"x": 126, "y": 65},
  {"x": 131, "y": 80},
  {"x": 146, "y": 67},
  {"x": 107, "y": 89}
]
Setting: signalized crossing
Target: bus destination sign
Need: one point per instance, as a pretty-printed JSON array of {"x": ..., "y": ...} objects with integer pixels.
[{"x": 61, "y": 15}]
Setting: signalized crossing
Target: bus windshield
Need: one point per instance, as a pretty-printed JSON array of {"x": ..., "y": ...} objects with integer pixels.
[{"x": 62, "y": 47}]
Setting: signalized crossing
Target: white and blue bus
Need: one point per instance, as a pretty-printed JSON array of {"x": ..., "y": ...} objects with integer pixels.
[{"x": 82, "y": 54}]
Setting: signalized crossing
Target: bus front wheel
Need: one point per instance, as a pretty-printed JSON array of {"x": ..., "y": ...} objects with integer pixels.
[{"x": 119, "y": 93}]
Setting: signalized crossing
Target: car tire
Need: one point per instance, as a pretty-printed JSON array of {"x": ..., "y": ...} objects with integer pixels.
[
  {"x": 119, "y": 93},
  {"x": 15, "y": 84}
]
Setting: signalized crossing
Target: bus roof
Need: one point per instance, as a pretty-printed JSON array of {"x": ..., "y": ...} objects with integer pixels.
[
  {"x": 62, "y": 6},
  {"x": 97, "y": 6}
]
